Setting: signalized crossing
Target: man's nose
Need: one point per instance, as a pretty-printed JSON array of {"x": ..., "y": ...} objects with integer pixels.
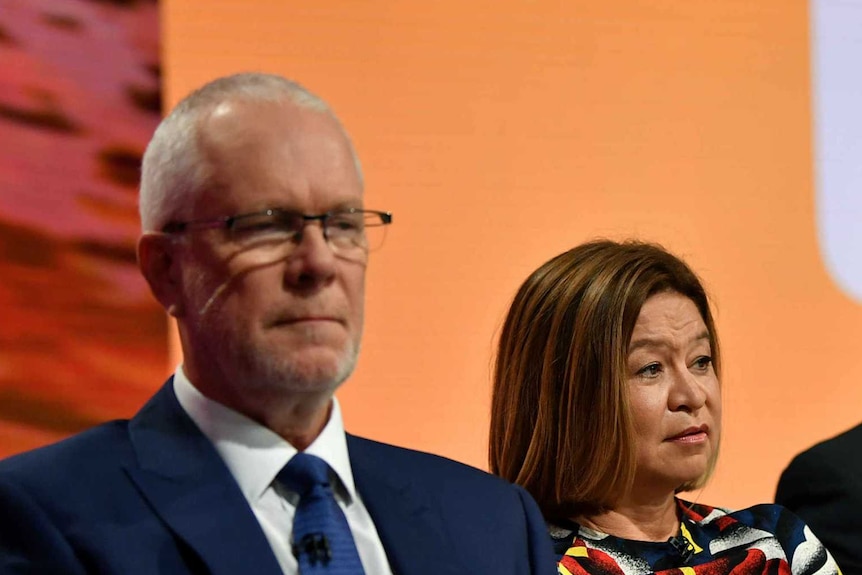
[{"x": 312, "y": 259}]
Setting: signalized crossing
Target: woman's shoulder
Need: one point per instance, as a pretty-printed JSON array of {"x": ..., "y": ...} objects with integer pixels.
[
  {"x": 758, "y": 527},
  {"x": 768, "y": 517}
]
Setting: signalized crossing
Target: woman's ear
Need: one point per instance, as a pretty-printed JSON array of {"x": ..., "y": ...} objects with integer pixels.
[{"x": 159, "y": 266}]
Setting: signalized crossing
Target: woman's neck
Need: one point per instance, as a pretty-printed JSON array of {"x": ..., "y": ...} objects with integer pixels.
[{"x": 654, "y": 520}]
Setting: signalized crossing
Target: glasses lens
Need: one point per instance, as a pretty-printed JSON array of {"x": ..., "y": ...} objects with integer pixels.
[
  {"x": 266, "y": 227},
  {"x": 375, "y": 233},
  {"x": 355, "y": 232}
]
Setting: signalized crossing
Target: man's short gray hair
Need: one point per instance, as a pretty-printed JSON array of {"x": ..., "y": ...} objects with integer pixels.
[{"x": 173, "y": 170}]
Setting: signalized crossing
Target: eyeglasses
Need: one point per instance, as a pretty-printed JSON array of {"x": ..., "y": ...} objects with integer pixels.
[{"x": 350, "y": 232}]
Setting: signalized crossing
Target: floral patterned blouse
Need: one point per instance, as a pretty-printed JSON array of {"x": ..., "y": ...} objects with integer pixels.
[{"x": 764, "y": 539}]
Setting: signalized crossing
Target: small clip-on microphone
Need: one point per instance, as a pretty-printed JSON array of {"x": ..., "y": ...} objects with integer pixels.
[{"x": 683, "y": 547}]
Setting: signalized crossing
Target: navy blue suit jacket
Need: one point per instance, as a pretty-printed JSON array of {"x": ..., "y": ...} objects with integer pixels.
[{"x": 151, "y": 495}]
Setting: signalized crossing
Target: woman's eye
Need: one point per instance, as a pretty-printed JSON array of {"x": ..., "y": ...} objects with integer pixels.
[
  {"x": 651, "y": 370},
  {"x": 703, "y": 362}
]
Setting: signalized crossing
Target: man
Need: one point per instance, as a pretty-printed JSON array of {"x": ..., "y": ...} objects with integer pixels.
[
  {"x": 823, "y": 485},
  {"x": 256, "y": 241}
]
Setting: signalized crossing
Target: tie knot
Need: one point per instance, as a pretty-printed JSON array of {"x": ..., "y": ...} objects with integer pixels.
[{"x": 304, "y": 472}]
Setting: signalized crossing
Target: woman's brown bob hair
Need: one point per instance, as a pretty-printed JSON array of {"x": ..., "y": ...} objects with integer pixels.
[{"x": 560, "y": 420}]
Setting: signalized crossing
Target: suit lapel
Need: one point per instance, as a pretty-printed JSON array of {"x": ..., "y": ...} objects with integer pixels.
[
  {"x": 190, "y": 488},
  {"x": 410, "y": 527}
]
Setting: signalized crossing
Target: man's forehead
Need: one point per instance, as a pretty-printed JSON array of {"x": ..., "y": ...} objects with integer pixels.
[
  {"x": 235, "y": 125},
  {"x": 276, "y": 155}
]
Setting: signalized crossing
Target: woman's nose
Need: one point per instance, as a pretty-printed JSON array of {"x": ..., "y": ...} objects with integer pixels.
[{"x": 686, "y": 393}]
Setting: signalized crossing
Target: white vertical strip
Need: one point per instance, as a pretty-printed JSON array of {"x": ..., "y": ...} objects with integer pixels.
[{"x": 836, "y": 46}]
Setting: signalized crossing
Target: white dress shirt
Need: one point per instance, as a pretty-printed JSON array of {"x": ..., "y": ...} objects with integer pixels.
[{"x": 254, "y": 455}]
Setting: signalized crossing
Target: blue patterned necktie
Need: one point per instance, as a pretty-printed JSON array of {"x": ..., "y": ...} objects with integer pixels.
[{"x": 322, "y": 541}]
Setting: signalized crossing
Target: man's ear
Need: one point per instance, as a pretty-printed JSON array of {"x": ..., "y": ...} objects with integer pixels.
[{"x": 159, "y": 266}]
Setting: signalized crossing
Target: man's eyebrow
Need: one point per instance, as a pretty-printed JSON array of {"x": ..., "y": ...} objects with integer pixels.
[{"x": 661, "y": 342}]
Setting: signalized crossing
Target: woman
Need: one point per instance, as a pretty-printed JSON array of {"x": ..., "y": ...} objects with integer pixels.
[{"x": 607, "y": 403}]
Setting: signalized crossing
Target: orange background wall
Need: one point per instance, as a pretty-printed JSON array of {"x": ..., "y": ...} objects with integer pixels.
[{"x": 502, "y": 133}]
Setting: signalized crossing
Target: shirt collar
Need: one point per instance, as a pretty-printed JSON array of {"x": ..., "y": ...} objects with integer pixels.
[{"x": 254, "y": 454}]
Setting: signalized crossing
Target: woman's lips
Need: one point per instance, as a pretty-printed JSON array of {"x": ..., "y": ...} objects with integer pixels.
[{"x": 691, "y": 435}]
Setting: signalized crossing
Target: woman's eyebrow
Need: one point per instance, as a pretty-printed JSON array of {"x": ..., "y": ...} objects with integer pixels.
[{"x": 643, "y": 342}]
